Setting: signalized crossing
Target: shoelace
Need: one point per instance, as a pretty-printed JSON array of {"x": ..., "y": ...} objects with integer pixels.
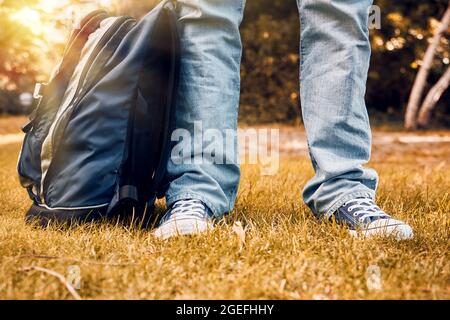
[
  {"x": 191, "y": 208},
  {"x": 365, "y": 208}
]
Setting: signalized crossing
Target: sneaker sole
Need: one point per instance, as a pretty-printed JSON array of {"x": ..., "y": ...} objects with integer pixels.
[
  {"x": 400, "y": 231},
  {"x": 182, "y": 227}
]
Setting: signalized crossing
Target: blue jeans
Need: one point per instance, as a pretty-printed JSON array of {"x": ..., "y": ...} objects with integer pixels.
[{"x": 335, "y": 55}]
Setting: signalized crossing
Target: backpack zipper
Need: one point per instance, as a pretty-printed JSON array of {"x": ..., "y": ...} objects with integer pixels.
[{"x": 101, "y": 43}]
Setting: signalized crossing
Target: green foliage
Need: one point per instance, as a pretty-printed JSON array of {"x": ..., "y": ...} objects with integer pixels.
[
  {"x": 18, "y": 67},
  {"x": 18, "y": 54},
  {"x": 268, "y": 88},
  {"x": 270, "y": 33},
  {"x": 270, "y": 70},
  {"x": 408, "y": 24}
]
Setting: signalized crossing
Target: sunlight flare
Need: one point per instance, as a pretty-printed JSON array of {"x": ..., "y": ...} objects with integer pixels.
[{"x": 29, "y": 18}]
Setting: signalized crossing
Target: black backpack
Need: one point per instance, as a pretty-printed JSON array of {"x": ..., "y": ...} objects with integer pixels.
[{"x": 96, "y": 144}]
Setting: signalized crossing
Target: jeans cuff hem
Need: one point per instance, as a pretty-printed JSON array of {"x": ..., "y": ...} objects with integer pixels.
[
  {"x": 170, "y": 200},
  {"x": 347, "y": 197}
]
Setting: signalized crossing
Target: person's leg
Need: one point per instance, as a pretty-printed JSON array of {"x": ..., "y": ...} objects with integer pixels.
[
  {"x": 208, "y": 99},
  {"x": 335, "y": 56}
]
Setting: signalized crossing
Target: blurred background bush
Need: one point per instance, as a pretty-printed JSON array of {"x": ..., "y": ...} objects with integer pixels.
[{"x": 33, "y": 32}]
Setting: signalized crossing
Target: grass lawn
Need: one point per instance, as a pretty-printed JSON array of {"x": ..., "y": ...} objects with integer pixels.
[{"x": 287, "y": 253}]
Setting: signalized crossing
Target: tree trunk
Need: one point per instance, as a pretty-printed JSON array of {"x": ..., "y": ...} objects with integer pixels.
[
  {"x": 432, "y": 99},
  {"x": 421, "y": 79}
]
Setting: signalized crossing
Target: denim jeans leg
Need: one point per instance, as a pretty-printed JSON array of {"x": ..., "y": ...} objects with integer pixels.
[
  {"x": 335, "y": 56},
  {"x": 208, "y": 99}
]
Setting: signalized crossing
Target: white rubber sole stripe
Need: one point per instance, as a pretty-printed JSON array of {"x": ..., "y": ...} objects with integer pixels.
[{"x": 74, "y": 208}]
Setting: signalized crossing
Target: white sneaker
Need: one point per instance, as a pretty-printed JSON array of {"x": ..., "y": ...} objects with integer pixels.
[
  {"x": 185, "y": 217},
  {"x": 364, "y": 218}
]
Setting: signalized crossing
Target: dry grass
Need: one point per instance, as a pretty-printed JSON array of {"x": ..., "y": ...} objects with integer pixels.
[
  {"x": 11, "y": 124},
  {"x": 287, "y": 253}
]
